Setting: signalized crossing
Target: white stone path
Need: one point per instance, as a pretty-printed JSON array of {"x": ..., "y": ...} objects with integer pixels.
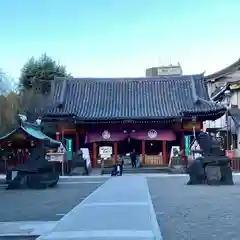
[
  {"x": 126, "y": 201},
  {"x": 119, "y": 209},
  {"x": 118, "y": 192}
]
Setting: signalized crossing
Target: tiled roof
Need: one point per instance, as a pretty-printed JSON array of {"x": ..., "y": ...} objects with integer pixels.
[
  {"x": 133, "y": 98},
  {"x": 219, "y": 92},
  {"x": 32, "y": 130}
]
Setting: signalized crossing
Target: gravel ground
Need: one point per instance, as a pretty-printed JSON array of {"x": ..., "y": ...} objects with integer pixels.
[
  {"x": 196, "y": 212},
  {"x": 47, "y": 204},
  {"x": 18, "y": 238}
]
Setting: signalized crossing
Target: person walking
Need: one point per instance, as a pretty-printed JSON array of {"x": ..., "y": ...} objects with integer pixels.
[{"x": 133, "y": 157}]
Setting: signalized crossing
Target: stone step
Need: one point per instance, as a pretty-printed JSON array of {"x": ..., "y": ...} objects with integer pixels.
[{"x": 130, "y": 170}]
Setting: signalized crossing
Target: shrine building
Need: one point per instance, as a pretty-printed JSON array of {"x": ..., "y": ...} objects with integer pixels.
[{"x": 148, "y": 114}]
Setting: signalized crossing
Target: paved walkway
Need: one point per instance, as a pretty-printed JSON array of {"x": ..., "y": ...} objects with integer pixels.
[
  {"x": 120, "y": 209},
  {"x": 33, "y": 228}
]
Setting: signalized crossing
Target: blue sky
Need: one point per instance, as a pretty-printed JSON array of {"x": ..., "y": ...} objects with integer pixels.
[{"x": 120, "y": 37}]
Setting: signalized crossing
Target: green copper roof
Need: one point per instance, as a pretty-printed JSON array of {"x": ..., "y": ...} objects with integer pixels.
[{"x": 33, "y": 130}]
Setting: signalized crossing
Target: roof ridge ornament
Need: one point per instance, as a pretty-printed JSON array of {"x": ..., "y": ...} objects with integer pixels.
[
  {"x": 194, "y": 92},
  {"x": 196, "y": 98},
  {"x": 63, "y": 92}
]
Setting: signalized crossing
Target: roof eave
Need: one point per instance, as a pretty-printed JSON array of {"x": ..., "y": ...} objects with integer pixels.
[
  {"x": 213, "y": 98},
  {"x": 223, "y": 72},
  {"x": 4, "y": 137},
  {"x": 76, "y": 118},
  {"x": 182, "y": 115}
]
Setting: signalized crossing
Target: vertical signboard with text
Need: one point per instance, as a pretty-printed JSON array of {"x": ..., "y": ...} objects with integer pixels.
[
  {"x": 187, "y": 145},
  {"x": 69, "y": 149}
]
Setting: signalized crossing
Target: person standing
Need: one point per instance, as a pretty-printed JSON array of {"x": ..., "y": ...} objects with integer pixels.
[
  {"x": 133, "y": 157},
  {"x": 102, "y": 164}
]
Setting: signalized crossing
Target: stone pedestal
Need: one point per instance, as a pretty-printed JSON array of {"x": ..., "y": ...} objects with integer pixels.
[
  {"x": 210, "y": 174},
  {"x": 219, "y": 175},
  {"x": 213, "y": 167}
]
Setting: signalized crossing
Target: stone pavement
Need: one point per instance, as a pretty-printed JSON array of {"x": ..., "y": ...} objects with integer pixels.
[
  {"x": 196, "y": 212},
  {"x": 120, "y": 209},
  {"x": 45, "y": 205},
  {"x": 28, "y": 228}
]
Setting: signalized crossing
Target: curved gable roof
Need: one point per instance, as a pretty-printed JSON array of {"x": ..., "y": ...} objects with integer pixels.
[
  {"x": 133, "y": 98},
  {"x": 225, "y": 71}
]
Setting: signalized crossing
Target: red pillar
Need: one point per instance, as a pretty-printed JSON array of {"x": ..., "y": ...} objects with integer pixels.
[
  {"x": 77, "y": 141},
  {"x": 182, "y": 147},
  {"x": 182, "y": 142},
  {"x": 58, "y": 136},
  {"x": 115, "y": 151},
  {"x": 143, "y": 152},
  {"x": 164, "y": 151},
  {"x": 94, "y": 155}
]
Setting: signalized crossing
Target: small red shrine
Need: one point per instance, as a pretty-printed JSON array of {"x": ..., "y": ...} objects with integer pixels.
[
  {"x": 149, "y": 114},
  {"x": 20, "y": 142}
]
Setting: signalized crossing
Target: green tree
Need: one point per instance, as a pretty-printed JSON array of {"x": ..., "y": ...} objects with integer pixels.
[
  {"x": 38, "y": 70},
  {"x": 35, "y": 82}
]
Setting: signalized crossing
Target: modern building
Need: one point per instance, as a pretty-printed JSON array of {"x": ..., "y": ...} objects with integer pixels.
[
  {"x": 224, "y": 88},
  {"x": 170, "y": 70},
  {"x": 149, "y": 115}
]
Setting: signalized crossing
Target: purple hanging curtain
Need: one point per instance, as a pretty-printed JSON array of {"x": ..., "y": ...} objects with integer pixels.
[
  {"x": 153, "y": 135},
  {"x": 105, "y": 136}
]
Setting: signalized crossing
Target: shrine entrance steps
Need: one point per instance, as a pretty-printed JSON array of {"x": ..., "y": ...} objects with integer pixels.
[
  {"x": 143, "y": 170},
  {"x": 120, "y": 209}
]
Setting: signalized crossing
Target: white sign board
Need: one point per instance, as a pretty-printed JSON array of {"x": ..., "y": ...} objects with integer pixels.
[
  {"x": 86, "y": 155},
  {"x": 105, "y": 151},
  {"x": 174, "y": 148},
  {"x": 55, "y": 157}
]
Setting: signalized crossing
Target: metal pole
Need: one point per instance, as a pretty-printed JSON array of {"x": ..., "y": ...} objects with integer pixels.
[
  {"x": 228, "y": 98},
  {"x": 194, "y": 132},
  {"x": 227, "y": 129},
  {"x": 62, "y": 167},
  {"x": 194, "y": 129},
  {"x": 230, "y": 135}
]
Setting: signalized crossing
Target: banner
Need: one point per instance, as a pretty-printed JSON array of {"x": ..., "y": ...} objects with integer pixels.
[
  {"x": 187, "y": 145},
  {"x": 69, "y": 149},
  {"x": 86, "y": 156}
]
